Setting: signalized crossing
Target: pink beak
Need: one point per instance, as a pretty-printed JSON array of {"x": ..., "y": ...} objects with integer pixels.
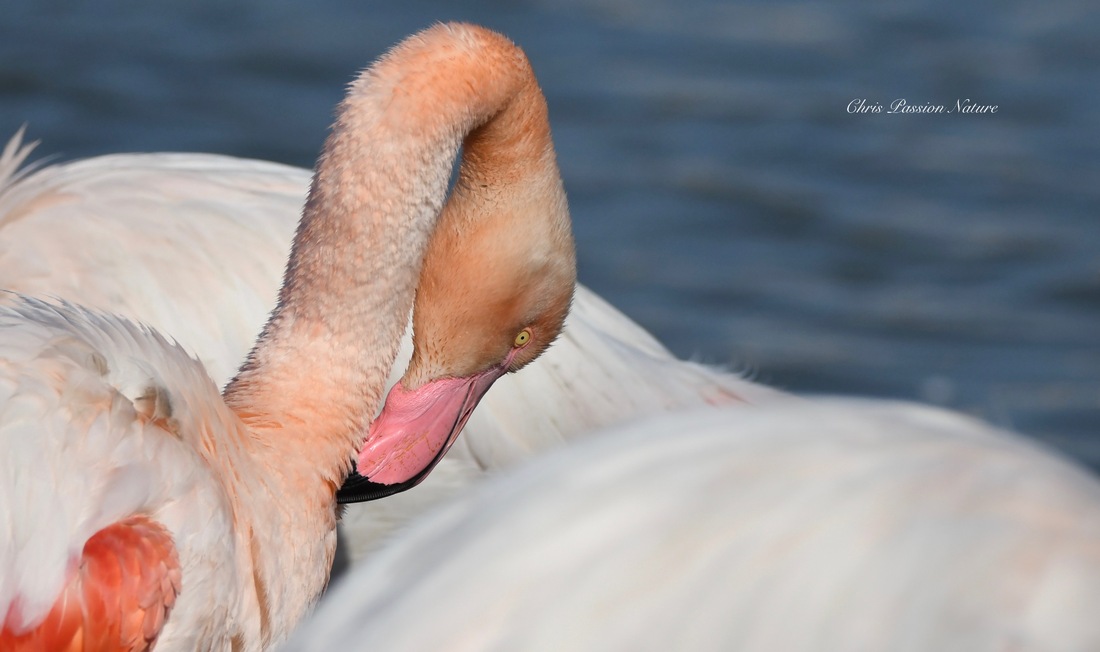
[{"x": 416, "y": 428}]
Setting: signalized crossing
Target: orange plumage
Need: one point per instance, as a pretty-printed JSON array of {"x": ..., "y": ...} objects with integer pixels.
[{"x": 117, "y": 599}]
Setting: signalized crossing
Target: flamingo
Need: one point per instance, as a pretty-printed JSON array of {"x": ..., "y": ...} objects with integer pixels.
[
  {"x": 814, "y": 525},
  {"x": 141, "y": 507},
  {"x": 114, "y": 232}
]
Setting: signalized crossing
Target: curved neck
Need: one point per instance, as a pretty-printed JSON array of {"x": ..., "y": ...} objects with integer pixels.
[
  {"x": 319, "y": 368},
  {"x": 316, "y": 376}
]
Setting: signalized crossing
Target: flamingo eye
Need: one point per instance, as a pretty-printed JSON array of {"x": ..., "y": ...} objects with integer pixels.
[{"x": 522, "y": 338}]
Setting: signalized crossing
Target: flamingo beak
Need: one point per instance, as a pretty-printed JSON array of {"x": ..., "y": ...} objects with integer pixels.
[{"x": 413, "y": 432}]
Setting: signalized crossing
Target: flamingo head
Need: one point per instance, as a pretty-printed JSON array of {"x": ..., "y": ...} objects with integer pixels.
[{"x": 493, "y": 295}]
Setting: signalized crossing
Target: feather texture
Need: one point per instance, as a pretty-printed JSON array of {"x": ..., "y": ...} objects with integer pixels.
[{"x": 813, "y": 525}]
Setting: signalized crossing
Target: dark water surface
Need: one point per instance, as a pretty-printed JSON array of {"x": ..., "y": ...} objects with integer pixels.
[{"x": 723, "y": 195}]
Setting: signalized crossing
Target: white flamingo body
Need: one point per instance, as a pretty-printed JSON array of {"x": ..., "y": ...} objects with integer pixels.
[
  {"x": 817, "y": 525},
  {"x": 193, "y": 244}
]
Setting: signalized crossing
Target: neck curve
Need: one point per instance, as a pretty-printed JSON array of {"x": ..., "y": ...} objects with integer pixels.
[
  {"x": 378, "y": 189},
  {"x": 316, "y": 376}
]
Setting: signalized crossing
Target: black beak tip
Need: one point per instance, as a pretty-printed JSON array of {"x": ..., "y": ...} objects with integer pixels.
[{"x": 359, "y": 489}]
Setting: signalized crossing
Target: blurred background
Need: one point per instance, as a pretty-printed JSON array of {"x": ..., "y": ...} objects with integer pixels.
[{"x": 723, "y": 196}]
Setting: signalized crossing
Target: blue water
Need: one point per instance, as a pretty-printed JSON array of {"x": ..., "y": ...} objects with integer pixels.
[{"x": 722, "y": 194}]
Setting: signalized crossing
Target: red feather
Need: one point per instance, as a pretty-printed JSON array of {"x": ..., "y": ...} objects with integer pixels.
[{"x": 117, "y": 600}]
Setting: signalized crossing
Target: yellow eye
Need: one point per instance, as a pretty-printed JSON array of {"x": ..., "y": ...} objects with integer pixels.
[{"x": 523, "y": 337}]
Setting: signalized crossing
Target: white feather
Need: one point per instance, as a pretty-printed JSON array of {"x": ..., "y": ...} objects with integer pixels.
[
  {"x": 78, "y": 458},
  {"x": 818, "y": 525}
]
